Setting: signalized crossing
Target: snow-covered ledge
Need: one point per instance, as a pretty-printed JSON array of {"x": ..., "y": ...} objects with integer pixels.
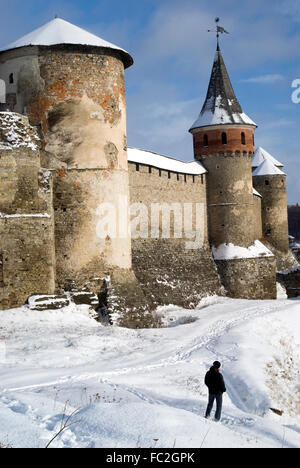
[
  {"x": 232, "y": 252},
  {"x": 21, "y": 215}
]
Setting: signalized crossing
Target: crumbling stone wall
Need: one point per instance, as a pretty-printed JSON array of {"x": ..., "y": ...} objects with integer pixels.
[
  {"x": 27, "y": 253},
  {"x": 27, "y": 260},
  {"x": 251, "y": 278},
  {"x": 82, "y": 252},
  {"x": 167, "y": 271},
  {"x": 76, "y": 95}
]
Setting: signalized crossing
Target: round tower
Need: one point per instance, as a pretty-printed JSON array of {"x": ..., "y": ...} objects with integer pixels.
[
  {"x": 70, "y": 84},
  {"x": 224, "y": 143},
  {"x": 270, "y": 182}
]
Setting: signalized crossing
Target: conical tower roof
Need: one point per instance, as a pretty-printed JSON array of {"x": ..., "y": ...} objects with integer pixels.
[
  {"x": 261, "y": 155},
  {"x": 221, "y": 106},
  {"x": 59, "y": 31},
  {"x": 267, "y": 168}
]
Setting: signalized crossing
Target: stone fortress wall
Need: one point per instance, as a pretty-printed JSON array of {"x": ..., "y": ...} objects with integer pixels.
[
  {"x": 27, "y": 259},
  {"x": 168, "y": 271}
]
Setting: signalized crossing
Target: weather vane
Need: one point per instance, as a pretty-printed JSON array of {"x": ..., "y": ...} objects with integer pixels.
[{"x": 219, "y": 30}]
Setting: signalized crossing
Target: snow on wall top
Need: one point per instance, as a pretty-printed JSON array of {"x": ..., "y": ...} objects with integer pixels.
[
  {"x": 255, "y": 192},
  {"x": 59, "y": 31},
  {"x": 232, "y": 252},
  {"x": 267, "y": 168},
  {"x": 16, "y": 133},
  {"x": 164, "y": 162},
  {"x": 261, "y": 155},
  {"x": 221, "y": 106}
]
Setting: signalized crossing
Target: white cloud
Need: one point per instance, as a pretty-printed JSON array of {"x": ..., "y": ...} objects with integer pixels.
[{"x": 264, "y": 79}]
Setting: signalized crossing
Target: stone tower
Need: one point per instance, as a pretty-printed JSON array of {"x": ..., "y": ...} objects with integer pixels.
[
  {"x": 224, "y": 143},
  {"x": 270, "y": 181},
  {"x": 71, "y": 86}
]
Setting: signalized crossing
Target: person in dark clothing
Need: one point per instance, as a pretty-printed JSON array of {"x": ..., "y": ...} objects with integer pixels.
[{"x": 216, "y": 387}]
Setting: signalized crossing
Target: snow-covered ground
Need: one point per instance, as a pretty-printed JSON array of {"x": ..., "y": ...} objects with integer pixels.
[{"x": 144, "y": 388}]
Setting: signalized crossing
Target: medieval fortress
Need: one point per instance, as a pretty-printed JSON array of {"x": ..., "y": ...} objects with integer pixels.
[{"x": 67, "y": 180}]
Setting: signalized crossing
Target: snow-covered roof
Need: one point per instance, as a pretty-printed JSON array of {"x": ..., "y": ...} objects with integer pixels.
[
  {"x": 218, "y": 115},
  {"x": 267, "y": 168},
  {"x": 261, "y": 155},
  {"x": 59, "y": 31},
  {"x": 221, "y": 106},
  {"x": 164, "y": 162}
]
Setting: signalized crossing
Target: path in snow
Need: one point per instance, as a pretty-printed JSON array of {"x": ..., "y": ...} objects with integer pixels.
[{"x": 160, "y": 373}]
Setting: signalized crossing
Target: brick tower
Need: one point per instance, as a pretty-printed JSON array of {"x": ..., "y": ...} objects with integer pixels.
[{"x": 224, "y": 143}]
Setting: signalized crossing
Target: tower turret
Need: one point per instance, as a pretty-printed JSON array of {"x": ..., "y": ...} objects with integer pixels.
[
  {"x": 224, "y": 143},
  {"x": 270, "y": 181}
]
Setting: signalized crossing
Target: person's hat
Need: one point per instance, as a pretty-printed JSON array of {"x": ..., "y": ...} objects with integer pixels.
[{"x": 217, "y": 364}]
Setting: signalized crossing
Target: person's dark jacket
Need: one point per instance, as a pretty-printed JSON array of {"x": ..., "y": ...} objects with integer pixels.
[{"x": 214, "y": 381}]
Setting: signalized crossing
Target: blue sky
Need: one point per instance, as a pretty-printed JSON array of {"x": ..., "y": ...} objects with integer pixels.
[{"x": 173, "y": 55}]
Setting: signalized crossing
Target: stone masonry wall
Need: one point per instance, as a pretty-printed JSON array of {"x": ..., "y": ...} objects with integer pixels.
[
  {"x": 257, "y": 216},
  {"x": 82, "y": 252},
  {"x": 167, "y": 271},
  {"x": 252, "y": 278},
  {"x": 27, "y": 260},
  {"x": 274, "y": 210},
  {"x": 230, "y": 198}
]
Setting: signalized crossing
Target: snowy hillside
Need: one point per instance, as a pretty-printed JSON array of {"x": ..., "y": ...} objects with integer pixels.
[{"x": 144, "y": 388}]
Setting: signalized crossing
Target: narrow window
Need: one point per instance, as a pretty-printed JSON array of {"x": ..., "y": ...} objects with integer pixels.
[
  {"x": 137, "y": 166},
  {"x": 150, "y": 169},
  {"x": 159, "y": 172},
  {"x": 202, "y": 178},
  {"x": 1, "y": 271},
  {"x": 177, "y": 176},
  {"x": 193, "y": 179},
  {"x": 224, "y": 138},
  {"x": 267, "y": 182},
  {"x": 169, "y": 175},
  {"x": 11, "y": 78},
  {"x": 205, "y": 140},
  {"x": 243, "y": 138},
  {"x": 184, "y": 177}
]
